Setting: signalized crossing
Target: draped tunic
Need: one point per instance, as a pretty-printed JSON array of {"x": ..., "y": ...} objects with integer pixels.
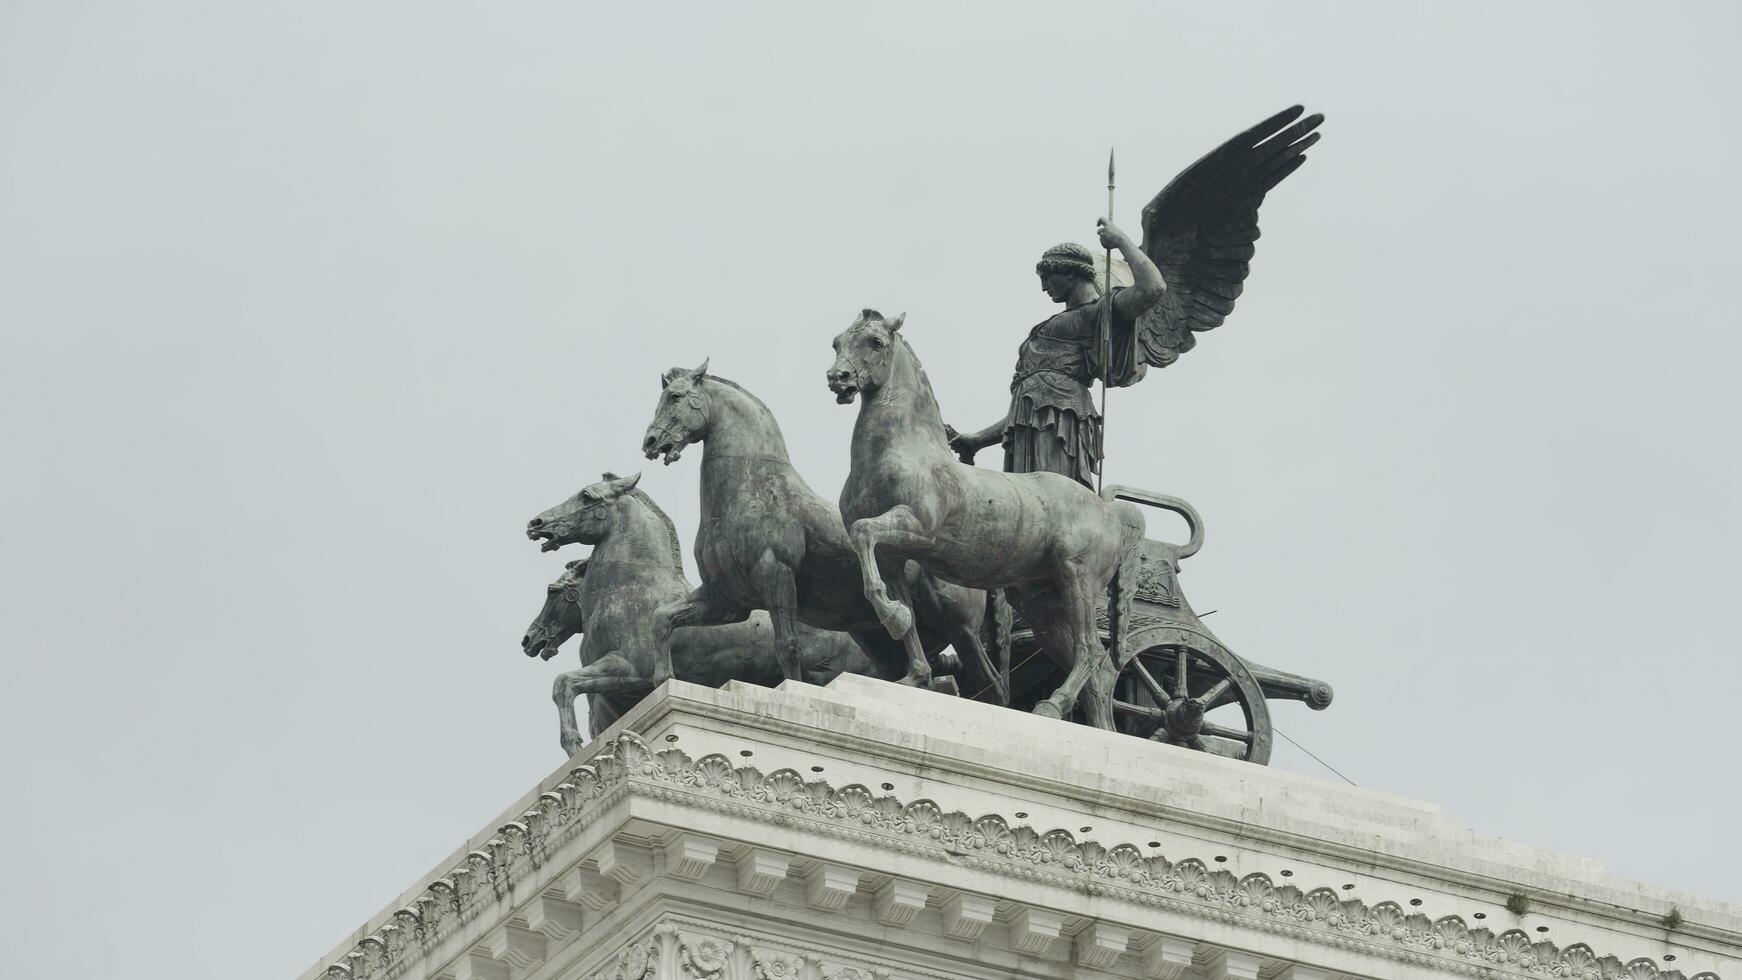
[{"x": 1053, "y": 423}]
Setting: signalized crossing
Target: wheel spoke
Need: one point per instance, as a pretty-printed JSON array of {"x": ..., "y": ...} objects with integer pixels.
[
  {"x": 1180, "y": 665},
  {"x": 1155, "y": 689},
  {"x": 1140, "y": 710},
  {"x": 1223, "y": 731},
  {"x": 1215, "y": 695}
]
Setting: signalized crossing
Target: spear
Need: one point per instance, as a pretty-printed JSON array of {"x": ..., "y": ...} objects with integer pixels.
[{"x": 1106, "y": 341}]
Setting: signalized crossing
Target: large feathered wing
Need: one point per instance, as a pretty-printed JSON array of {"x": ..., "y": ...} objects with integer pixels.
[{"x": 1199, "y": 230}]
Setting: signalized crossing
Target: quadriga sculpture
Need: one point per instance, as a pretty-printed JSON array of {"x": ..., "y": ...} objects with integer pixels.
[
  {"x": 609, "y": 599},
  {"x": 1050, "y": 542},
  {"x": 768, "y": 541}
]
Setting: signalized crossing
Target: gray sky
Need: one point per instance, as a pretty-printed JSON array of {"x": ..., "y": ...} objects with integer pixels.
[{"x": 306, "y": 308}]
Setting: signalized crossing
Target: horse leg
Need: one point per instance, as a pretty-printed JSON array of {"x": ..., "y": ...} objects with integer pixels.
[
  {"x": 991, "y": 680},
  {"x": 699, "y": 608},
  {"x": 1055, "y": 638},
  {"x": 600, "y": 714},
  {"x": 1091, "y": 670},
  {"x": 779, "y": 590},
  {"x": 918, "y": 667},
  {"x": 899, "y": 527},
  {"x": 961, "y": 626},
  {"x": 609, "y": 673},
  {"x": 887, "y": 656}
]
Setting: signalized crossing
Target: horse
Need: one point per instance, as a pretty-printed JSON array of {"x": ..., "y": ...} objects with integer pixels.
[
  {"x": 608, "y": 598},
  {"x": 768, "y": 541},
  {"x": 560, "y": 619},
  {"x": 1052, "y": 544}
]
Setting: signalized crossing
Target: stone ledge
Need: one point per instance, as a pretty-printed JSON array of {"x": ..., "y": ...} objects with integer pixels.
[{"x": 623, "y": 766}]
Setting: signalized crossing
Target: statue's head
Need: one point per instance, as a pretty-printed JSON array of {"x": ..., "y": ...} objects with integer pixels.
[
  {"x": 1061, "y": 267},
  {"x": 863, "y": 355},
  {"x": 561, "y": 616},
  {"x": 681, "y": 416},
  {"x": 584, "y": 518}
]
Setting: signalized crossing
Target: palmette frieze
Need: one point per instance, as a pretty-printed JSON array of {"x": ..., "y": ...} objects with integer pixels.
[{"x": 627, "y": 764}]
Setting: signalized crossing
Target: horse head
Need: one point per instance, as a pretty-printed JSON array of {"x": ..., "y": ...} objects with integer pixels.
[
  {"x": 585, "y": 518},
  {"x": 864, "y": 354},
  {"x": 561, "y": 616},
  {"x": 681, "y": 416}
]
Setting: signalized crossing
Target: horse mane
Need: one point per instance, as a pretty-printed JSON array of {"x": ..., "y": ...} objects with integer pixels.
[
  {"x": 924, "y": 382},
  {"x": 776, "y": 438},
  {"x": 728, "y": 382},
  {"x": 670, "y": 528}
]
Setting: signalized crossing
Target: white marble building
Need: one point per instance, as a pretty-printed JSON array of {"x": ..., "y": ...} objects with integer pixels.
[{"x": 866, "y": 830}]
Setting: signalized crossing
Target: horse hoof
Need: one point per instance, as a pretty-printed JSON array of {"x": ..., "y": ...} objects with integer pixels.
[
  {"x": 1046, "y": 709},
  {"x": 916, "y": 680},
  {"x": 572, "y": 745}
]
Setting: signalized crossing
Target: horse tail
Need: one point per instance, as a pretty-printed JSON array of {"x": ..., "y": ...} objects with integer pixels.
[
  {"x": 1124, "y": 585},
  {"x": 1132, "y": 527}
]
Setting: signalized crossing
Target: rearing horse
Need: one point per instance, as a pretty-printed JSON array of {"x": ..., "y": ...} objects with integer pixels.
[
  {"x": 614, "y": 656},
  {"x": 1051, "y": 543},
  {"x": 768, "y": 541}
]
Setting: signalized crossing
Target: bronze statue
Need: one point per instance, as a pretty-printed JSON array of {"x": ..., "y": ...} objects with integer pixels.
[
  {"x": 1051, "y": 544},
  {"x": 611, "y": 678},
  {"x": 1192, "y": 265},
  {"x": 768, "y": 541},
  {"x": 904, "y": 565}
]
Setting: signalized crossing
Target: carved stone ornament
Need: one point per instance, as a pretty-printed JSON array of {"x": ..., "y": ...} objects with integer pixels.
[
  {"x": 701, "y": 950},
  {"x": 990, "y": 842}
]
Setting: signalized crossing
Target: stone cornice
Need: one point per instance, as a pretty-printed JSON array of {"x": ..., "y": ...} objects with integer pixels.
[
  {"x": 626, "y": 765},
  {"x": 1558, "y": 882}
]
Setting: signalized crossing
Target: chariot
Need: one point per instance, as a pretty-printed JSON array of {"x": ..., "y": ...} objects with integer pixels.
[{"x": 1177, "y": 682}]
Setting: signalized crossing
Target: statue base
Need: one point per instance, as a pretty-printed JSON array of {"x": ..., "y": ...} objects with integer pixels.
[{"x": 865, "y": 830}]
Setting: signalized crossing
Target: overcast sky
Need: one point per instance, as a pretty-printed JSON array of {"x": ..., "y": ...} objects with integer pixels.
[{"x": 306, "y": 307}]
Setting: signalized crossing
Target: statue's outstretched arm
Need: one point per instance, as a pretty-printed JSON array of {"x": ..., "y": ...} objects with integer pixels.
[{"x": 966, "y": 444}]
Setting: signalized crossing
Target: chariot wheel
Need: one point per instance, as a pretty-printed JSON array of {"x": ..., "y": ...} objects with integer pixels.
[{"x": 1184, "y": 688}]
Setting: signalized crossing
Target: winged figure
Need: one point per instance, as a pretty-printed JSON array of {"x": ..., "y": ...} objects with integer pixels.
[{"x": 1191, "y": 266}]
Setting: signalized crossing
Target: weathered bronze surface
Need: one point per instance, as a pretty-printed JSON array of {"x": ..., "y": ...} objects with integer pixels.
[
  {"x": 1087, "y": 621},
  {"x": 609, "y": 598},
  {"x": 768, "y": 541},
  {"x": 1198, "y": 236},
  {"x": 1051, "y": 544}
]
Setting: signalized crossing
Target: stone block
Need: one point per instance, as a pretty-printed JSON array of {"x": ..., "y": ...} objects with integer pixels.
[
  {"x": 760, "y": 871},
  {"x": 517, "y": 946},
  {"x": 898, "y": 900},
  {"x": 558, "y": 919},
  {"x": 620, "y": 862},
  {"x": 689, "y": 856},
  {"x": 1167, "y": 958},
  {"x": 967, "y": 915},
  {"x": 828, "y": 886},
  {"x": 589, "y": 888},
  {"x": 1228, "y": 964},
  {"x": 476, "y": 964},
  {"x": 1033, "y": 930},
  {"x": 1101, "y": 944}
]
